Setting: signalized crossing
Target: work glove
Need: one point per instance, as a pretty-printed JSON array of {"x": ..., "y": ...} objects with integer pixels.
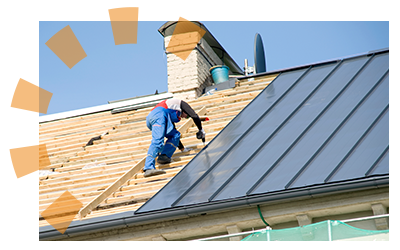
[
  {"x": 184, "y": 150},
  {"x": 201, "y": 134}
]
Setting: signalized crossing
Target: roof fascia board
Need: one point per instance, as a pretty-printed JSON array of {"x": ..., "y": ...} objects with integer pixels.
[
  {"x": 134, "y": 98},
  {"x": 125, "y": 219},
  {"x": 105, "y": 107}
]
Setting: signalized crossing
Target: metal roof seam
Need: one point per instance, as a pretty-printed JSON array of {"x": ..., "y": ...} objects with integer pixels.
[
  {"x": 334, "y": 171},
  {"x": 282, "y": 124},
  {"x": 273, "y": 134},
  {"x": 302, "y": 169},
  {"x": 350, "y": 114},
  {"x": 244, "y": 135},
  {"x": 369, "y": 171}
]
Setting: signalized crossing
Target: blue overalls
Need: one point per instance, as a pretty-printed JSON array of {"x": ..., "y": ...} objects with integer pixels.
[{"x": 160, "y": 122}]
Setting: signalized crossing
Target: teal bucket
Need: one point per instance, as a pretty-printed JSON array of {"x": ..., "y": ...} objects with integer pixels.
[{"x": 220, "y": 73}]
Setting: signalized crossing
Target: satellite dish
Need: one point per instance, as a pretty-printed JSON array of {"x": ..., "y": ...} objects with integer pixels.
[{"x": 259, "y": 55}]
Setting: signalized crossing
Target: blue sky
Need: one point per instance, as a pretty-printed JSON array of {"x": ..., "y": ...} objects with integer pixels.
[{"x": 112, "y": 72}]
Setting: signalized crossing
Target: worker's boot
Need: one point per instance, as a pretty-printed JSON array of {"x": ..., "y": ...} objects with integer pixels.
[
  {"x": 163, "y": 159},
  {"x": 152, "y": 172}
]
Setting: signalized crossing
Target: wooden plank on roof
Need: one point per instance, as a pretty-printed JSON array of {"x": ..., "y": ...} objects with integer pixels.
[{"x": 125, "y": 177}]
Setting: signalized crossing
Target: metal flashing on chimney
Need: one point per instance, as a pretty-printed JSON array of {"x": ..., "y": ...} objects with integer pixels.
[
  {"x": 167, "y": 29},
  {"x": 231, "y": 83}
]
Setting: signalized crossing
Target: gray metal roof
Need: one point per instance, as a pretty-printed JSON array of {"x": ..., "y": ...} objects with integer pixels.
[{"x": 318, "y": 126}]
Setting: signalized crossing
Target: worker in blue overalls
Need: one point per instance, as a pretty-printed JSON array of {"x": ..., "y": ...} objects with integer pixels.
[{"x": 161, "y": 122}]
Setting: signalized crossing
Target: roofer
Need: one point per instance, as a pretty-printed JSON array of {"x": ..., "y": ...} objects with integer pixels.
[{"x": 161, "y": 121}]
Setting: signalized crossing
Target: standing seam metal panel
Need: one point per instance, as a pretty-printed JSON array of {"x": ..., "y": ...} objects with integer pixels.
[
  {"x": 209, "y": 183},
  {"x": 366, "y": 131},
  {"x": 241, "y": 167},
  {"x": 319, "y": 163}
]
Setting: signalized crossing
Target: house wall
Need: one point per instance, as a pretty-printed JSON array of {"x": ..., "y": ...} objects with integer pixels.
[{"x": 188, "y": 78}]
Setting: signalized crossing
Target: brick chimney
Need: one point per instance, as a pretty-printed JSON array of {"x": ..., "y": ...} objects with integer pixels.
[{"x": 188, "y": 78}]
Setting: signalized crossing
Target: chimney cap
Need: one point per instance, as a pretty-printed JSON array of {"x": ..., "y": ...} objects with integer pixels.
[{"x": 167, "y": 29}]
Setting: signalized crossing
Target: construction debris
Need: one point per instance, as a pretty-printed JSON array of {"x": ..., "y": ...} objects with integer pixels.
[{"x": 95, "y": 139}]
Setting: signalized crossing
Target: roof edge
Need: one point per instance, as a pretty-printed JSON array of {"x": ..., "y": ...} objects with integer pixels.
[
  {"x": 126, "y": 219},
  {"x": 105, "y": 107}
]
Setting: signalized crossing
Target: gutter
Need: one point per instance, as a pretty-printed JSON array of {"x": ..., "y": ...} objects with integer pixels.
[{"x": 128, "y": 219}]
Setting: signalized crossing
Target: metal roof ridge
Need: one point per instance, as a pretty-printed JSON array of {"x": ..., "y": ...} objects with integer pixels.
[
  {"x": 337, "y": 59},
  {"x": 135, "y": 98}
]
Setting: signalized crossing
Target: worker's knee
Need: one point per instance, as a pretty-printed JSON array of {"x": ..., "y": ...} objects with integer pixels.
[
  {"x": 174, "y": 136},
  {"x": 155, "y": 148}
]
